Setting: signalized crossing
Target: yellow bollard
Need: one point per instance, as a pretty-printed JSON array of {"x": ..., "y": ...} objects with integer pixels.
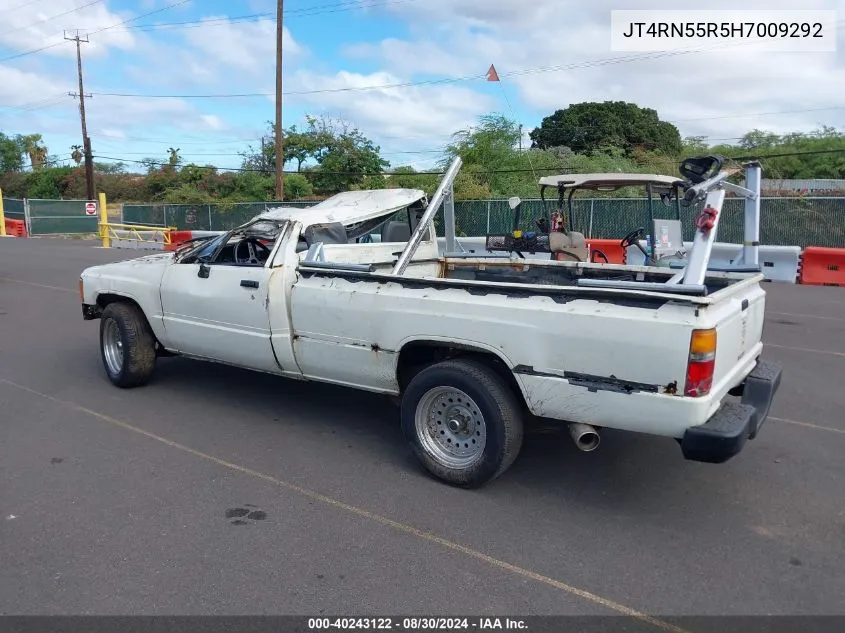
[
  {"x": 104, "y": 222},
  {"x": 2, "y": 217}
]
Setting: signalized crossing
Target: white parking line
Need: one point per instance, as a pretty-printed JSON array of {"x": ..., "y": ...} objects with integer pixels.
[
  {"x": 32, "y": 283},
  {"x": 810, "y": 425},
  {"x": 805, "y": 316},
  {"x": 805, "y": 349},
  {"x": 376, "y": 518}
]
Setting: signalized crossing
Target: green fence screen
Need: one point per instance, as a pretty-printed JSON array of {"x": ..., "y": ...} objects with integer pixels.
[
  {"x": 783, "y": 221},
  {"x": 200, "y": 217},
  {"x": 14, "y": 209},
  {"x": 794, "y": 221},
  {"x": 49, "y": 217}
]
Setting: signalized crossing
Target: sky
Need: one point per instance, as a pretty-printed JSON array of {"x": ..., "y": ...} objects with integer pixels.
[{"x": 407, "y": 73}]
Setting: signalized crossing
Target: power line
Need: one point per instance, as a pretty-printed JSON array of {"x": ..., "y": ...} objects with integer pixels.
[
  {"x": 52, "y": 17},
  {"x": 440, "y": 173},
  {"x": 787, "y": 154},
  {"x": 327, "y": 173},
  {"x": 448, "y": 80},
  {"x": 753, "y": 114},
  {"x": 34, "y": 104},
  {"x": 257, "y": 17},
  {"x": 20, "y": 6},
  {"x": 105, "y": 28},
  {"x": 185, "y": 141},
  {"x": 230, "y": 154}
]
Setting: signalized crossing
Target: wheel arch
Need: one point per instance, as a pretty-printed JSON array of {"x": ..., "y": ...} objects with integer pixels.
[
  {"x": 105, "y": 299},
  {"x": 416, "y": 354}
]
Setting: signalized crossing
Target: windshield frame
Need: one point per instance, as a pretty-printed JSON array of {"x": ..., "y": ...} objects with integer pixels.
[{"x": 207, "y": 251}]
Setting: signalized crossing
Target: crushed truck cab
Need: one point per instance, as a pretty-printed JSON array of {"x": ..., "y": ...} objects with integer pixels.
[{"x": 354, "y": 291}]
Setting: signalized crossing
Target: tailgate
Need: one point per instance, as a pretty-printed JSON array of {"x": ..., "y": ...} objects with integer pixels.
[{"x": 738, "y": 320}]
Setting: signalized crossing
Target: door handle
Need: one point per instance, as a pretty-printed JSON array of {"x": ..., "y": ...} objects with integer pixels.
[{"x": 248, "y": 283}]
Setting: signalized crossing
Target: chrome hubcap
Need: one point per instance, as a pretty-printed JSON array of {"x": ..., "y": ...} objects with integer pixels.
[
  {"x": 113, "y": 347},
  {"x": 450, "y": 427}
]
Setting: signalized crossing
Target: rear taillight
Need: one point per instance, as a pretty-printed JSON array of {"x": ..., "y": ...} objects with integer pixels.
[
  {"x": 702, "y": 359},
  {"x": 81, "y": 290}
]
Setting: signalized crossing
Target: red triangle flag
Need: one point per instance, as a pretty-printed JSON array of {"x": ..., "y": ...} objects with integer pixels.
[{"x": 492, "y": 75}]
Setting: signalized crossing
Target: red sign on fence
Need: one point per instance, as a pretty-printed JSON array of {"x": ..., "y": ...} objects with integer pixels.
[{"x": 90, "y": 208}]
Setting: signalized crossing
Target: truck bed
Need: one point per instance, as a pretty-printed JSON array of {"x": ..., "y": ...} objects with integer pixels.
[{"x": 524, "y": 276}]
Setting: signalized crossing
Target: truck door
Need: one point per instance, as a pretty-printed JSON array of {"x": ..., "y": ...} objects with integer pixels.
[{"x": 220, "y": 310}]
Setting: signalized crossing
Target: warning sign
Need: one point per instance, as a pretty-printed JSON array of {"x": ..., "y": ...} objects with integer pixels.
[{"x": 90, "y": 208}]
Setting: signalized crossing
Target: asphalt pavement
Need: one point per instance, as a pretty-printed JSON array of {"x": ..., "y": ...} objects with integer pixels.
[{"x": 219, "y": 491}]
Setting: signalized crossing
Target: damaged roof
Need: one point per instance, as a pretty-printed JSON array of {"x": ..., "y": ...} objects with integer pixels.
[{"x": 349, "y": 207}]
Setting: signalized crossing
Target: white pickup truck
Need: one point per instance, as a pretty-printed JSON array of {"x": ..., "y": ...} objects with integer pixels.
[{"x": 471, "y": 344}]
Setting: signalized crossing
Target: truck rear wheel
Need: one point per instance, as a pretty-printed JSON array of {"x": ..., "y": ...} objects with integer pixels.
[
  {"x": 462, "y": 421},
  {"x": 127, "y": 345}
]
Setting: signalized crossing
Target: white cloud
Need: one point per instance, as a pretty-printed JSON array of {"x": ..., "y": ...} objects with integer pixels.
[
  {"x": 463, "y": 37},
  {"x": 20, "y": 88},
  {"x": 113, "y": 133},
  {"x": 212, "y": 122},
  {"x": 34, "y": 26},
  {"x": 445, "y": 39},
  {"x": 245, "y": 46},
  {"x": 408, "y": 118}
]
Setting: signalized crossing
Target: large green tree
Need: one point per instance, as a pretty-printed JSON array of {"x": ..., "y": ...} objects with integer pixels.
[
  {"x": 333, "y": 154},
  {"x": 593, "y": 127},
  {"x": 801, "y": 155},
  {"x": 11, "y": 153},
  {"x": 492, "y": 161}
]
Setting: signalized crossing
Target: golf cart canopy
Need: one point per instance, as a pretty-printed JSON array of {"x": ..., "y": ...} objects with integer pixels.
[
  {"x": 349, "y": 207},
  {"x": 609, "y": 181}
]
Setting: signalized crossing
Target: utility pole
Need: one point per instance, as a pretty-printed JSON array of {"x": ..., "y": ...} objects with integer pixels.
[
  {"x": 280, "y": 152},
  {"x": 86, "y": 141}
]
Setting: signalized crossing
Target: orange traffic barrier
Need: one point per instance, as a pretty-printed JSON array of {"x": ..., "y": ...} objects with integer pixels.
[
  {"x": 16, "y": 228},
  {"x": 611, "y": 248},
  {"x": 176, "y": 238},
  {"x": 821, "y": 266}
]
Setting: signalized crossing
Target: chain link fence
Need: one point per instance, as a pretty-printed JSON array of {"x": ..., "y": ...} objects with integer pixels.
[
  {"x": 787, "y": 221},
  {"x": 800, "y": 221},
  {"x": 201, "y": 217}
]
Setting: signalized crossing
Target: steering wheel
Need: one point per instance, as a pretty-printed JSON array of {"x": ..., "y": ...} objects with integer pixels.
[
  {"x": 253, "y": 245},
  {"x": 632, "y": 240}
]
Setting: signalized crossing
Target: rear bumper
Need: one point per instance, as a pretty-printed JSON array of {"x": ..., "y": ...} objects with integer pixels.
[{"x": 724, "y": 435}]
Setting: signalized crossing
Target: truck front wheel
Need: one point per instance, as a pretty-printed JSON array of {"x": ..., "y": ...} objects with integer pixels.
[
  {"x": 127, "y": 345},
  {"x": 462, "y": 421}
]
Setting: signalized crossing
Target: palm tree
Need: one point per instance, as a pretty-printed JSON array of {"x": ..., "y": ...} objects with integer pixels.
[{"x": 34, "y": 147}]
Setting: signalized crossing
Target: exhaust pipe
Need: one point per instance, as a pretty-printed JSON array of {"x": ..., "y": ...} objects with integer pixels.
[{"x": 585, "y": 436}]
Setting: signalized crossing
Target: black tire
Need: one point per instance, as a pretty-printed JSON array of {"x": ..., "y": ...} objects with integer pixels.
[
  {"x": 135, "y": 365},
  {"x": 491, "y": 397}
]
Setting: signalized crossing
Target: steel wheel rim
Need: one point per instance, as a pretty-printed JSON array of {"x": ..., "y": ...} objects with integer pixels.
[
  {"x": 113, "y": 347},
  {"x": 450, "y": 427}
]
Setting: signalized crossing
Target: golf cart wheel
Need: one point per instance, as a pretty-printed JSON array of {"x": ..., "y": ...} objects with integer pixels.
[
  {"x": 127, "y": 345},
  {"x": 462, "y": 422}
]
